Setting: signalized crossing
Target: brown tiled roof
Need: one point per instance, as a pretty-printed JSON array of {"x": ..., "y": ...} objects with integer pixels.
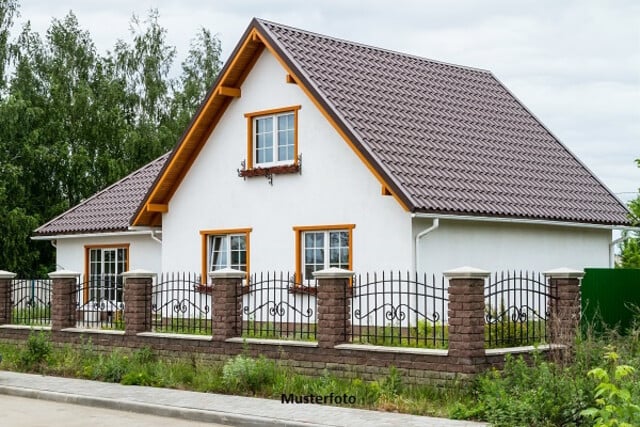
[
  {"x": 449, "y": 139},
  {"x": 109, "y": 210}
]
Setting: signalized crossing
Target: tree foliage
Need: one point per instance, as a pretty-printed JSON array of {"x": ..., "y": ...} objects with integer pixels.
[
  {"x": 73, "y": 120},
  {"x": 630, "y": 248}
]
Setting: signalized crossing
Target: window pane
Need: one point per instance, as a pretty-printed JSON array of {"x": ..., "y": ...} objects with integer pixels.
[
  {"x": 285, "y": 137},
  {"x": 218, "y": 252},
  {"x": 237, "y": 243}
]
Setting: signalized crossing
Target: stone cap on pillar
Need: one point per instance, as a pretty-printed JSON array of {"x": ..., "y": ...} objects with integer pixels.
[
  {"x": 64, "y": 274},
  {"x": 333, "y": 273},
  {"x": 7, "y": 275},
  {"x": 227, "y": 273},
  {"x": 138, "y": 274},
  {"x": 564, "y": 273},
  {"x": 466, "y": 273}
]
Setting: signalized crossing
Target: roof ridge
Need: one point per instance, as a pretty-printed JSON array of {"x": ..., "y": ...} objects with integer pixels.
[
  {"x": 372, "y": 47},
  {"x": 104, "y": 190}
]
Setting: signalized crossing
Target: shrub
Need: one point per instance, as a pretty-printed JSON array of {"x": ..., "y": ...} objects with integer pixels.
[
  {"x": 34, "y": 356},
  {"x": 242, "y": 373},
  {"x": 541, "y": 395},
  {"x": 615, "y": 403}
]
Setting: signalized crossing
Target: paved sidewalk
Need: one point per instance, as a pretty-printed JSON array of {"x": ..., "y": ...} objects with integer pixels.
[{"x": 205, "y": 407}]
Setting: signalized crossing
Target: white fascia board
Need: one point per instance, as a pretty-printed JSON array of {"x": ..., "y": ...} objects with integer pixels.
[
  {"x": 76, "y": 236},
  {"x": 524, "y": 221}
]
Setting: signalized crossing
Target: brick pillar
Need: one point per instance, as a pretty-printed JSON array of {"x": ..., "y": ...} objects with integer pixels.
[
  {"x": 466, "y": 318},
  {"x": 137, "y": 301},
  {"x": 63, "y": 299},
  {"x": 226, "y": 297},
  {"x": 5, "y": 296},
  {"x": 564, "y": 304},
  {"x": 333, "y": 318}
]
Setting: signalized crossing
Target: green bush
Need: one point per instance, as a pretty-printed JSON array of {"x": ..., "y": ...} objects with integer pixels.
[
  {"x": 35, "y": 355},
  {"x": 543, "y": 394},
  {"x": 242, "y": 373},
  {"x": 616, "y": 405}
]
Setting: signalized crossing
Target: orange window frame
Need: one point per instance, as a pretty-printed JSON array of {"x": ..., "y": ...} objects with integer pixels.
[
  {"x": 299, "y": 230},
  {"x": 87, "y": 249},
  {"x": 250, "y": 136},
  {"x": 204, "y": 237}
]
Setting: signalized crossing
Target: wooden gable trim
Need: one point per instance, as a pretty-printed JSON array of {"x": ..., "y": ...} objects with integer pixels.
[{"x": 232, "y": 76}]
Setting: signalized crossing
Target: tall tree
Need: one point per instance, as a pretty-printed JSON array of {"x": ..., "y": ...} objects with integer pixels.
[
  {"x": 199, "y": 71},
  {"x": 630, "y": 248},
  {"x": 73, "y": 121}
]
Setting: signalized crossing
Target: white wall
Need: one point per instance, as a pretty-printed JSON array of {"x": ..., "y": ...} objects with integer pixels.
[
  {"x": 144, "y": 252},
  {"x": 335, "y": 188},
  {"x": 496, "y": 246}
]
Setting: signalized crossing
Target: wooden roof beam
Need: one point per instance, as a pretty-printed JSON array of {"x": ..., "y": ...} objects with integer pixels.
[
  {"x": 229, "y": 91},
  {"x": 157, "y": 207}
]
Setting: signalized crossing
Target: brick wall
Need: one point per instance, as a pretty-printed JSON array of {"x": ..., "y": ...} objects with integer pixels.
[{"x": 465, "y": 357}]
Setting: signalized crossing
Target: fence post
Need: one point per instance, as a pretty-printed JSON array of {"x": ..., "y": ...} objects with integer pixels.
[
  {"x": 137, "y": 301},
  {"x": 564, "y": 304},
  {"x": 63, "y": 299},
  {"x": 466, "y": 318},
  {"x": 5, "y": 296},
  {"x": 333, "y": 318},
  {"x": 226, "y": 303}
]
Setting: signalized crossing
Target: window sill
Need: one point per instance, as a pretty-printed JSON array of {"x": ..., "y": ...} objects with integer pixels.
[{"x": 269, "y": 171}]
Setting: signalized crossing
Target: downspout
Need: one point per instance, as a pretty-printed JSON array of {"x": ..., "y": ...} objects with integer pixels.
[
  {"x": 54, "y": 243},
  {"x": 612, "y": 245},
  {"x": 416, "y": 253},
  {"x": 154, "y": 236}
]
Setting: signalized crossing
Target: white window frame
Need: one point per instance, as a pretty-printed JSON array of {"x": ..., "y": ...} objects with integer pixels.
[
  {"x": 228, "y": 251},
  {"x": 326, "y": 248},
  {"x": 275, "y": 131},
  {"x": 107, "y": 286}
]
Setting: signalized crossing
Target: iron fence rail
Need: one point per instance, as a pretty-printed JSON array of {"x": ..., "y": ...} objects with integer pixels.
[
  {"x": 517, "y": 308},
  {"x": 30, "y": 302},
  {"x": 99, "y": 304},
  {"x": 398, "y": 309},
  {"x": 273, "y": 306},
  {"x": 181, "y": 304}
]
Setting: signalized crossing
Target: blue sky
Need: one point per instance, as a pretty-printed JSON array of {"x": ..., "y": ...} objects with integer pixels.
[{"x": 574, "y": 64}]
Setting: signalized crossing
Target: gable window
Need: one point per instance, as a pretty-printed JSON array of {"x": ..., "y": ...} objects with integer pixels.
[
  {"x": 272, "y": 137},
  {"x": 225, "y": 249},
  {"x": 103, "y": 268},
  {"x": 322, "y": 247}
]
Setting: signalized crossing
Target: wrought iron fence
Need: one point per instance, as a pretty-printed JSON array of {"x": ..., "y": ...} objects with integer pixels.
[
  {"x": 517, "y": 308},
  {"x": 396, "y": 309},
  {"x": 273, "y": 306},
  {"x": 181, "y": 304},
  {"x": 99, "y": 304},
  {"x": 31, "y": 302}
]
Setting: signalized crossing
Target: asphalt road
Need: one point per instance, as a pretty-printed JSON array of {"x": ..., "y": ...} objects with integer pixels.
[{"x": 24, "y": 412}]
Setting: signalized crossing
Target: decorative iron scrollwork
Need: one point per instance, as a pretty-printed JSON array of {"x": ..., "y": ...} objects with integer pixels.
[
  {"x": 278, "y": 309},
  {"x": 396, "y": 312}
]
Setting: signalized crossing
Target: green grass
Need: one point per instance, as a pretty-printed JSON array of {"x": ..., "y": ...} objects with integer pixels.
[
  {"x": 274, "y": 330},
  {"x": 31, "y": 316},
  {"x": 182, "y": 325}
]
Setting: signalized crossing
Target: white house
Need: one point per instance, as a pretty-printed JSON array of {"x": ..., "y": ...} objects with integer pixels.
[{"x": 311, "y": 152}]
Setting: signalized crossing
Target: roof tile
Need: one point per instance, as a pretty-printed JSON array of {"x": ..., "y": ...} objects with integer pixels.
[
  {"x": 109, "y": 210},
  {"x": 452, "y": 138}
]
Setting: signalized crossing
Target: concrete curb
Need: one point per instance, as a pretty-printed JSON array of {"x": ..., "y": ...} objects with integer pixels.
[{"x": 219, "y": 417}]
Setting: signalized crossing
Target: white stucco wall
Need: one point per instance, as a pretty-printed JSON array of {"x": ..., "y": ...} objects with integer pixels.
[
  {"x": 335, "y": 188},
  {"x": 496, "y": 246},
  {"x": 144, "y": 252}
]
